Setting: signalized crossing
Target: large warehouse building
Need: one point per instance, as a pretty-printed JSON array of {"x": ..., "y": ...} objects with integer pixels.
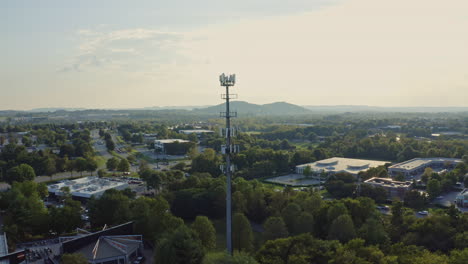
[
  {"x": 337, "y": 165},
  {"x": 415, "y": 167},
  {"x": 86, "y": 187}
]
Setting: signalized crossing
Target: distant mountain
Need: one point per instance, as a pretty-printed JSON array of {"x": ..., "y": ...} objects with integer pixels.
[
  {"x": 185, "y": 107},
  {"x": 366, "y": 108},
  {"x": 245, "y": 108},
  {"x": 54, "y": 109}
]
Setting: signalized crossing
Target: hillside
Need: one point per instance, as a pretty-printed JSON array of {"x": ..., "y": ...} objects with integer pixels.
[{"x": 245, "y": 108}]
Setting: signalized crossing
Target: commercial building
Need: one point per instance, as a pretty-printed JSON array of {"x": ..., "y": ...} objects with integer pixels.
[
  {"x": 462, "y": 198},
  {"x": 394, "y": 188},
  {"x": 195, "y": 131},
  {"x": 3, "y": 248},
  {"x": 415, "y": 167},
  {"x": 172, "y": 146},
  {"x": 16, "y": 257},
  {"x": 115, "y": 245},
  {"x": 86, "y": 187},
  {"x": 337, "y": 165},
  {"x": 160, "y": 144}
]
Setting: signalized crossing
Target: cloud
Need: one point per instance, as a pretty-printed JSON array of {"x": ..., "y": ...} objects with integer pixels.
[
  {"x": 373, "y": 52},
  {"x": 107, "y": 49},
  {"x": 357, "y": 52}
]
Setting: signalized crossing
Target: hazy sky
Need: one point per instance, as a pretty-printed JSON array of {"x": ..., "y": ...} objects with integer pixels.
[{"x": 115, "y": 54}]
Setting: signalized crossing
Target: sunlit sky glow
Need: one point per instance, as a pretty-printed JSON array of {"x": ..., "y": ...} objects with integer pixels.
[{"x": 118, "y": 54}]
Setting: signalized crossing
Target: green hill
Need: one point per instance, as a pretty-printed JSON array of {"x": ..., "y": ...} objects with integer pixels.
[{"x": 245, "y": 108}]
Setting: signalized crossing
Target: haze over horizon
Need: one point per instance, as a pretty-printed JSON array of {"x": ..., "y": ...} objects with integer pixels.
[{"x": 121, "y": 54}]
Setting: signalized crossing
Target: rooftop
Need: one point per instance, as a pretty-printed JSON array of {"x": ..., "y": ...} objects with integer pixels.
[
  {"x": 111, "y": 246},
  {"x": 388, "y": 182},
  {"x": 87, "y": 186},
  {"x": 336, "y": 164},
  {"x": 169, "y": 141},
  {"x": 195, "y": 131},
  {"x": 3, "y": 246},
  {"x": 418, "y": 162}
]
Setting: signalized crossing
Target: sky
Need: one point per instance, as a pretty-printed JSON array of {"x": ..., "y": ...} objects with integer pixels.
[{"x": 130, "y": 54}]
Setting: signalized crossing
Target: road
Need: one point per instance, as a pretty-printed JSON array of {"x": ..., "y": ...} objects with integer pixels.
[{"x": 99, "y": 145}]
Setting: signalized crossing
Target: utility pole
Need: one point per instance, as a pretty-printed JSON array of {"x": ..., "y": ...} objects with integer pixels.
[{"x": 227, "y": 149}]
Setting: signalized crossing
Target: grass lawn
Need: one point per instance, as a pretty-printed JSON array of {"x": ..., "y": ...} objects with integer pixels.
[
  {"x": 115, "y": 154},
  {"x": 101, "y": 161},
  {"x": 120, "y": 140}
]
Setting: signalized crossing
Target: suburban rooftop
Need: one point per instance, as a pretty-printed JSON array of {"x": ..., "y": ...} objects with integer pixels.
[
  {"x": 418, "y": 162},
  {"x": 337, "y": 164}
]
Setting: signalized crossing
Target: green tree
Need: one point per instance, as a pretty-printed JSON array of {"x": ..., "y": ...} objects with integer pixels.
[
  {"x": 458, "y": 256},
  {"x": 42, "y": 190},
  {"x": 296, "y": 250},
  {"x": 91, "y": 165},
  {"x": 274, "y": 227},
  {"x": 179, "y": 247},
  {"x": 110, "y": 145},
  {"x": 336, "y": 210},
  {"x": 307, "y": 171},
  {"x": 205, "y": 231},
  {"x": 152, "y": 178},
  {"x": 414, "y": 199},
  {"x": 112, "y": 208},
  {"x": 342, "y": 229},
  {"x": 239, "y": 203},
  {"x": 373, "y": 232},
  {"x": 223, "y": 258},
  {"x": 20, "y": 173},
  {"x": 399, "y": 177},
  {"x": 206, "y": 162},
  {"x": 124, "y": 165},
  {"x": 81, "y": 164},
  {"x": 67, "y": 218},
  {"x": 74, "y": 259},
  {"x": 427, "y": 174},
  {"x": 152, "y": 216},
  {"x": 101, "y": 173},
  {"x": 433, "y": 188},
  {"x": 242, "y": 236},
  {"x": 305, "y": 223},
  {"x": 112, "y": 163},
  {"x": 290, "y": 215}
]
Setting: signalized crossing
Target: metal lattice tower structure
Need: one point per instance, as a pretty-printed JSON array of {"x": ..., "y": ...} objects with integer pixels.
[{"x": 228, "y": 150}]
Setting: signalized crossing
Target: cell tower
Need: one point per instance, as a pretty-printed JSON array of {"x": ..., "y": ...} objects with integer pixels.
[{"x": 227, "y": 150}]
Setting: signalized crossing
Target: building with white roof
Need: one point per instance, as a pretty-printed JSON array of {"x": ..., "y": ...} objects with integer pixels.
[
  {"x": 337, "y": 165},
  {"x": 196, "y": 131},
  {"x": 417, "y": 166},
  {"x": 86, "y": 187}
]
